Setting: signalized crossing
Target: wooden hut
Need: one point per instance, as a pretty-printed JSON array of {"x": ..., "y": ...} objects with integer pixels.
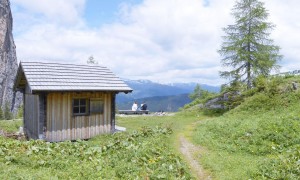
[{"x": 67, "y": 101}]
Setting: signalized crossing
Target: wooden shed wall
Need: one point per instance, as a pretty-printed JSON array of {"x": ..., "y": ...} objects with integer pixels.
[
  {"x": 31, "y": 115},
  {"x": 62, "y": 125}
]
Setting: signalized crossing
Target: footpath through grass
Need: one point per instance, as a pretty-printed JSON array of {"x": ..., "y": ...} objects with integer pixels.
[
  {"x": 260, "y": 139},
  {"x": 183, "y": 125}
]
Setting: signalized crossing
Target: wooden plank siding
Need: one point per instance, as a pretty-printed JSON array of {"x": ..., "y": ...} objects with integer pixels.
[
  {"x": 49, "y": 90},
  {"x": 42, "y": 115},
  {"x": 31, "y": 116},
  {"x": 62, "y": 125}
]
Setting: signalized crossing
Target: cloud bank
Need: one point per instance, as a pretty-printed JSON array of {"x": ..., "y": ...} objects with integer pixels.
[{"x": 163, "y": 41}]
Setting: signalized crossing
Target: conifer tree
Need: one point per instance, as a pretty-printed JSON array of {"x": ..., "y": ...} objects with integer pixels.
[
  {"x": 247, "y": 49},
  {"x": 199, "y": 93}
]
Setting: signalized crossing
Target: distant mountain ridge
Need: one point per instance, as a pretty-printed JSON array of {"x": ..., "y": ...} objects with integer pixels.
[
  {"x": 146, "y": 90},
  {"x": 159, "y": 103}
]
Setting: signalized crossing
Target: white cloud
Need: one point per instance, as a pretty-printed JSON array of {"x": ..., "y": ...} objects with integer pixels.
[
  {"x": 166, "y": 41},
  {"x": 62, "y": 11},
  {"x": 286, "y": 34}
]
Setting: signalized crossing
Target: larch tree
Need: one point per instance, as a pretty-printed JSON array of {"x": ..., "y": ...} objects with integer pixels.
[
  {"x": 196, "y": 94},
  {"x": 199, "y": 93},
  {"x": 247, "y": 49}
]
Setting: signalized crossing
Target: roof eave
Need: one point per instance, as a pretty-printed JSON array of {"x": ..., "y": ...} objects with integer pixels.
[
  {"x": 18, "y": 78},
  {"x": 81, "y": 90}
]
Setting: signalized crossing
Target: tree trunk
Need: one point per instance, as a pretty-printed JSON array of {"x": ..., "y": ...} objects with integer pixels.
[{"x": 248, "y": 75}]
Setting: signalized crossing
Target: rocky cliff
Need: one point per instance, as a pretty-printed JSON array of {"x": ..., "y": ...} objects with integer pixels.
[{"x": 8, "y": 59}]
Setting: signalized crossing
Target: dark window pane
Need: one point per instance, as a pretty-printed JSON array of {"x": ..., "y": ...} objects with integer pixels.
[
  {"x": 80, "y": 106},
  {"x": 82, "y": 109},
  {"x": 75, "y": 110},
  {"x": 76, "y": 102},
  {"x": 82, "y": 102}
]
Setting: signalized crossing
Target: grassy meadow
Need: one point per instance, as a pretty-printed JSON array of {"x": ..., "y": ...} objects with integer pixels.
[
  {"x": 10, "y": 126},
  {"x": 259, "y": 139},
  {"x": 146, "y": 150}
]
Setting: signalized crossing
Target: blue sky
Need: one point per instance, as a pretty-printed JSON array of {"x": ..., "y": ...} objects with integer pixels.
[
  {"x": 99, "y": 12},
  {"x": 160, "y": 40}
]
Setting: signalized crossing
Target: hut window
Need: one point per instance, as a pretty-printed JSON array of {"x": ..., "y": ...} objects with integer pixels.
[
  {"x": 96, "y": 106},
  {"x": 80, "y": 106}
]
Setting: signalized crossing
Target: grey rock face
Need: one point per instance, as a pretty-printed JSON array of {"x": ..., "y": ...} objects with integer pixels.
[
  {"x": 8, "y": 59},
  {"x": 295, "y": 85},
  {"x": 218, "y": 102}
]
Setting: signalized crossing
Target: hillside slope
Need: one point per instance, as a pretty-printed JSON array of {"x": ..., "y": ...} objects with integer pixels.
[{"x": 259, "y": 139}]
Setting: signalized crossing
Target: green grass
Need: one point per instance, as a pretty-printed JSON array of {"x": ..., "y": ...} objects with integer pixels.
[
  {"x": 177, "y": 121},
  {"x": 257, "y": 140},
  {"x": 147, "y": 150},
  {"x": 229, "y": 166},
  {"x": 10, "y": 126},
  {"x": 136, "y": 155},
  {"x": 180, "y": 123}
]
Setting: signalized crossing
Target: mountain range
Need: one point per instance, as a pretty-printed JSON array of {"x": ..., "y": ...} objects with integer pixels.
[{"x": 159, "y": 97}]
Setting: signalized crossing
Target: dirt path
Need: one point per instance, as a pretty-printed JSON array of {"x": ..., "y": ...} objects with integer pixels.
[{"x": 189, "y": 151}]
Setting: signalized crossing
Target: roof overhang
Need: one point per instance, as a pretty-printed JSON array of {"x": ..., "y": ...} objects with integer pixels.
[
  {"x": 20, "y": 79},
  {"x": 37, "y": 77}
]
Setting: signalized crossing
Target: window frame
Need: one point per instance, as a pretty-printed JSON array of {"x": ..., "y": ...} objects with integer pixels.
[
  {"x": 96, "y": 100},
  {"x": 86, "y": 106}
]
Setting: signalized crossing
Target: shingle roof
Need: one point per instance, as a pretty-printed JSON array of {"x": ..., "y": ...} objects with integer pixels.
[{"x": 42, "y": 76}]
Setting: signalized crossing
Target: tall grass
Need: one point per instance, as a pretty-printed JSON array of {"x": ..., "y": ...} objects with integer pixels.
[
  {"x": 259, "y": 139},
  {"x": 10, "y": 126}
]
